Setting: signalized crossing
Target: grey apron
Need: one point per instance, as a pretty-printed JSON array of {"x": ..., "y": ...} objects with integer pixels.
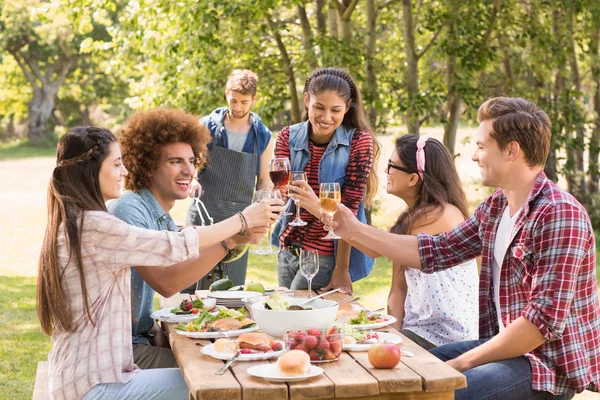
[{"x": 228, "y": 185}]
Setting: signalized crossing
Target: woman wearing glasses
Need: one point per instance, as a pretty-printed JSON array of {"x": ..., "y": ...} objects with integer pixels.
[{"x": 440, "y": 308}]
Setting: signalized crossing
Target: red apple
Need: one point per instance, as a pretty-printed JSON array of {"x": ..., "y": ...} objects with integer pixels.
[{"x": 384, "y": 355}]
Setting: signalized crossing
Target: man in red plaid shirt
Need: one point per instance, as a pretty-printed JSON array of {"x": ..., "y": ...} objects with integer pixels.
[{"x": 538, "y": 295}]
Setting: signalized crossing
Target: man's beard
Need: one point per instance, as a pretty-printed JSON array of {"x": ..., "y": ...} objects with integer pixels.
[{"x": 236, "y": 116}]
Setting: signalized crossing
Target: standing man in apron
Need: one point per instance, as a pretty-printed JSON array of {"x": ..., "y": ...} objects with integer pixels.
[{"x": 238, "y": 164}]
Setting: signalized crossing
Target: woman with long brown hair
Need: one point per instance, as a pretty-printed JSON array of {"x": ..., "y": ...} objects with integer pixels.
[
  {"x": 334, "y": 144},
  {"x": 83, "y": 290}
]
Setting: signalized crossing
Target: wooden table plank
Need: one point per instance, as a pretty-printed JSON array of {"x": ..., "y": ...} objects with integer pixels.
[
  {"x": 436, "y": 375},
  {"x": 399, "y": 379},
  {"x": 256, "y": 388},
  {"x": 199, "y": 372},
  {"x": 350, "y": 378},
  {"x": 319, "y": 387}
]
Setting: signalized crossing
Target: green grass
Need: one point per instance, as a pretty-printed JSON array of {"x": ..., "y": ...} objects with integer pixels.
[
  {"x": 22, "y": 343},
  {"x": 18, "y": 149}
]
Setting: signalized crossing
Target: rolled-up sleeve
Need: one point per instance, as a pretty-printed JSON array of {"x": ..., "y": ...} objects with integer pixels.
[
  {"x": 561, "y": 244},
  {"x": 118, "y": 244},
  {"x": 451, "y": 248}
]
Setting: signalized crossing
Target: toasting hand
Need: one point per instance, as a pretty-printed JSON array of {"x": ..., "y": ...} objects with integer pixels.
[{"x": 344, "y": 222}]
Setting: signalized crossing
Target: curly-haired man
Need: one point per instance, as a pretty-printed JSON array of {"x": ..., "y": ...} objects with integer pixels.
[
  {"x": 161, "y": 149},
  {"x": 240, "y": 152}
]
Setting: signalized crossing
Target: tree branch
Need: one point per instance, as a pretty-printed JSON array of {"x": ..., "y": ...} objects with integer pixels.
[
  {"x": 431, "y": 42},
  {"x": 34, "y": 69},
  {"x": 66, "y": 68},
  {"x": 384, "y": 5},
  {"x": 349, "y": 10},
  {"x": 418, "y": 13},
  {"x": 17, "y": 56}
]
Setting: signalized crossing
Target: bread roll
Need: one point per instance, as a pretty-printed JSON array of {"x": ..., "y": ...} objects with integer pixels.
[
  {"x": 294, "y": 362},
  {"x": 226, "y": 346},
  {"x": 227, "y": 324}
]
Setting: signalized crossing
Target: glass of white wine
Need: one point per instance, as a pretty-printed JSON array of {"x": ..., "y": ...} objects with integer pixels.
[
  {"x": 330, "y": 196},
  {"x": 258, "y": 196}
]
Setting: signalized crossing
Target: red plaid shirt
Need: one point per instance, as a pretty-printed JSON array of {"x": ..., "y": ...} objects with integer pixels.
[{"x": 548, "y": 276}]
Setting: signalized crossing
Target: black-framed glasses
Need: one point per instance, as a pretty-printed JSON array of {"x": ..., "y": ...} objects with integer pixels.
[{"x": 391, "y": 165}]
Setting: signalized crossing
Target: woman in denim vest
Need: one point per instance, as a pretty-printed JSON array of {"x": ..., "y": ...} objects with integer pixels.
[{"x": 335, "y": 143}]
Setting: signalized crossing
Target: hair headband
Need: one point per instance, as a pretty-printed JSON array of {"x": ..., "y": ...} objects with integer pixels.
[{"x": 421, "y": 156}]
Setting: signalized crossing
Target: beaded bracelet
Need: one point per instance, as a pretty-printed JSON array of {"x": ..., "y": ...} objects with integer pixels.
[{"x": 244, "y": 224}]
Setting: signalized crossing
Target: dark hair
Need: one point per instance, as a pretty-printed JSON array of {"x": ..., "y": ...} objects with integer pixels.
[
  {"x": 340, "y": 81},
  {"x": 519, "y": 120},
  {"x": 74, "y": 188},
  {"x": 440, "y": 185},
  {"x": 146, "y": 132},
  {"x": 243, "y": 81}
]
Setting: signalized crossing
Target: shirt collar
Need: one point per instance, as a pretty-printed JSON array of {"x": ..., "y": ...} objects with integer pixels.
[
  {"x": 341, "y": 136},
  {"x": 540, "y": 183},
  {"x": 155, "y": 208}
]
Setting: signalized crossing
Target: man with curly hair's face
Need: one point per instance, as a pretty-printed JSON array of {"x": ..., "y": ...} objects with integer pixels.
[{"x": 161, "y": 149}]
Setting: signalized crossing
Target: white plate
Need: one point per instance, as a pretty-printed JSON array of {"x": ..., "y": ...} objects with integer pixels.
[
  {"x": 232, "y": 295},
  {"x": 271, "y": 372},
  {"x": 209, "y": 350},
  {"x": 383, "y": 337},
  {"x": 390, "y": 320},
  {"x": 215, "y": 335},
  {"x": 166, "y": 315}
]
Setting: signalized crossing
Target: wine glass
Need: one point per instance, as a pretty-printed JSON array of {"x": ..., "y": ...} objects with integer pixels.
[
  {"x": 279, "y": 172},
  {"x": 270, "y": 194},
  {"x": 309, "y": 266},
  {"x": 258, "y": 196},
  {"x": 330, "y": 196},
  {"x": 298, "y": 176}
]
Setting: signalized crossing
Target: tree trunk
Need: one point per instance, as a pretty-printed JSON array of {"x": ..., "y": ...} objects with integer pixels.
[
  {"x": 595, "y": 137},
  {"x": 454, "y": 100},
  {"x": 412, "y": 67},
  {"x": 40, "y": 110},
  {"x": 307, "y": 37},
  {"x": 321, "y": 17},
  {"x": 332, "y": 19},
  {"x": 344, "y": 20},
  {"x": 286, "y": 64},
  {"x": 578, "y": 125},
  {"x": 371, "y": 94}
]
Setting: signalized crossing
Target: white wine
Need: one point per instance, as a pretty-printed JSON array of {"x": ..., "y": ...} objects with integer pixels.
[{"x": 329, "y": 201}]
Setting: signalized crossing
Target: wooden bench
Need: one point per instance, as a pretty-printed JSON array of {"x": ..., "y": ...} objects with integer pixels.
[{"x": 40, "y": 390}]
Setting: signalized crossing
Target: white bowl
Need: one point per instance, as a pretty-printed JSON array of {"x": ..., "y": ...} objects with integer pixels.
[{"x": 276, "y": 323}]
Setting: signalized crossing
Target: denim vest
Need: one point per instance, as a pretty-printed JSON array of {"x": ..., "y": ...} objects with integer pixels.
[{"x": 332, "y": 168}]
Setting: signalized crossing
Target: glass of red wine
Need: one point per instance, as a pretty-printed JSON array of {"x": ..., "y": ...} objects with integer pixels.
[{"x": 280, "y": 174}]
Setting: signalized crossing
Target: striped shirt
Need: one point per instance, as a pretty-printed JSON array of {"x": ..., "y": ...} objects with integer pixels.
[
  {"x": 548, "y": 277},
  {"x": 92, "y": 355},
  {"x": 357, "y": 174}
]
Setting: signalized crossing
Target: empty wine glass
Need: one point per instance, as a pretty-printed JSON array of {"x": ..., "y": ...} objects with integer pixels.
[
  {"x": 258, "y": 196},
  {"x": 330, "y": 195},
  {"x": 298, "y": 176},
  {"x": 270, "y": 194},
  {"x": 309, "y": 266}
]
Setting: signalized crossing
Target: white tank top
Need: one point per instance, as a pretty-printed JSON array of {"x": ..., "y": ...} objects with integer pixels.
[{"x": 443, "y": 307}]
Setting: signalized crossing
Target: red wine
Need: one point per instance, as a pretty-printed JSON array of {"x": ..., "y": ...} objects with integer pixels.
[{"x": 280, "y": 178}]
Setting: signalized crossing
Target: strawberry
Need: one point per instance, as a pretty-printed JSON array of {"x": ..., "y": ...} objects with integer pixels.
[
  {"x": 313, "y": 355},
  {"x": 311, "y": 342},
  {"x": 276, "y": 346},
  {"x": 245, "y": 351},
  {"x": 323, "y": 344},
  {"x": 329, "y": 355},
  {"x": 335, "y": 346},
  {"x": 313, "y": 331},
  {"x": 186, "y": 305},
  {"x": 301, "y": 347},
  {"x": 332, "y": 330},
  {"x": 195, "y": 311}
]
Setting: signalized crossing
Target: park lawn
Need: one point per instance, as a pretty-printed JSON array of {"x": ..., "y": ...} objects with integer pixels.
[{"x": 14, "y": 150}]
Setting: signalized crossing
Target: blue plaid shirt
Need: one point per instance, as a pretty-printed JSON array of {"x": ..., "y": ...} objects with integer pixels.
[{"x": 141, "y": 209}]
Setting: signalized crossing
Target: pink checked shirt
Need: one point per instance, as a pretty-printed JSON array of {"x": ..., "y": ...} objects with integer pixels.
[
  {"x": 548, "y": 277},
  {"x": 103, "y": 353}
]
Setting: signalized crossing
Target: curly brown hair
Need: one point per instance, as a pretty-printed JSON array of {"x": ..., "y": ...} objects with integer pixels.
[
  {"x": 243, "y": 81},
  {"x": 146, "y": 132}
]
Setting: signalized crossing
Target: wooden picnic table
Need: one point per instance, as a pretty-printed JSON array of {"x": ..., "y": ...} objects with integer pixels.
[{"x": 352, "y": 376}]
